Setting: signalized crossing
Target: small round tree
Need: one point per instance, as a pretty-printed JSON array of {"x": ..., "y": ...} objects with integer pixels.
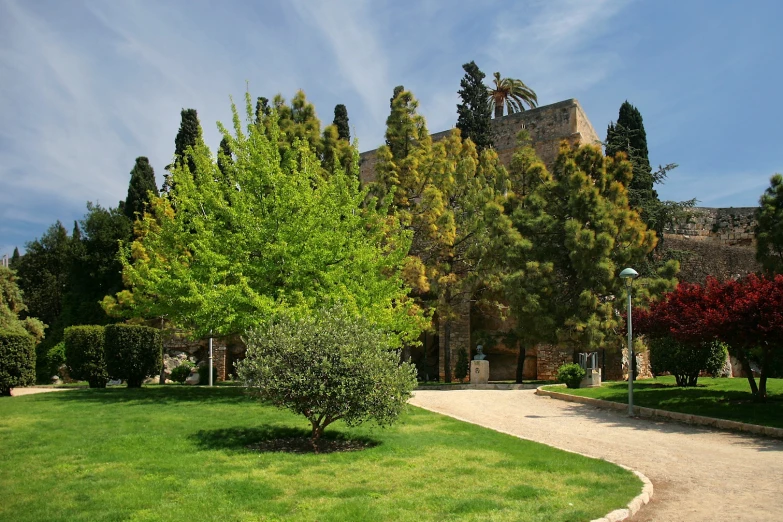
[
  {"x": 328, "y": 367},
  {"x": 686, "y": 361},
  {"x": 84, "y": 355},
  {"x": 132, "y": 352},
  {"x": 17, "y": 361}
]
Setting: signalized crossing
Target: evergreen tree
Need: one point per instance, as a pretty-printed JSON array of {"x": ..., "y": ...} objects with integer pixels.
[
  {"x": 628, "y": 136},
  {"x": 14, "y": 258},
  {"x": 225, "y": 160},
  {"x": 188, "y": 136},
  {"x": 474, "y": 112},
  {"x": 76, "y": 235},
  {"x": 769, "y": 230},
  {"x": 562, "y": 286},
  {"x": 404, "y": 127},
  {"x": 262, "y": 108},
  {"x": 142, "y": 183},
  {"x": 341, "y": 122},
  {"x": 298, "y": 121}
]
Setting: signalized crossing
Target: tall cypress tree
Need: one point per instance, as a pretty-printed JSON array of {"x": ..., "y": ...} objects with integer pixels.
[
  {"x": 142, "y": 182},
  {"x": 225, "y": 160},
  {"x": 262, "y": 108},
  {"x": 341, "y": 122},
  {"x": 474, "y": 112},
  {"x": 189, "y": 135},
  {"x": 14, "y": 258},
  {"x": 628, "y": 136}
]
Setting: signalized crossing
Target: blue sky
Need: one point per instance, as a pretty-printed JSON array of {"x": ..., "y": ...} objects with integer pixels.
[{"x": 86, "y": 87}]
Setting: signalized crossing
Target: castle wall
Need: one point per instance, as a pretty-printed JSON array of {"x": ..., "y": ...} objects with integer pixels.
[{"x": 548, "y": 125}]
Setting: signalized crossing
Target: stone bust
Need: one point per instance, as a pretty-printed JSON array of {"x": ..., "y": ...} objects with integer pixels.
[{"x": 480, "y": 355}]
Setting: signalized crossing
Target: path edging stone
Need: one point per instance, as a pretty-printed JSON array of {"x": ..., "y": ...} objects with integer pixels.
[
  {"x": 687, "y": 418},
  {"x": 618, "y": 515}
]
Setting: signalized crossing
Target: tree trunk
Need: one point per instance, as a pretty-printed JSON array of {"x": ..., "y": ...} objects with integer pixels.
[
  {"x": 520, "y": 363},
  {"x": 447, "y": 351},
  {"x": 751, "y": 380},
  {"x": 315, "y": 435},
  {"x": 498, "y": 110},
  {"x": 762, "y": 387}
]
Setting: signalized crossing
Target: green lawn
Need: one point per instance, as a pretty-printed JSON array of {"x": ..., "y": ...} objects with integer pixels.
[
  {"x": 728, "y": 399},
  {"x": 178, "y": 453}
]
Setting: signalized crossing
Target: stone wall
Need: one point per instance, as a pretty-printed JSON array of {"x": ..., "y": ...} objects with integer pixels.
[
  {"x": 707, "y": 256},
  {"x": 548, "y": 125},
  {"x": 726, "y": 226},
  {"x": 549, "y": 359}
]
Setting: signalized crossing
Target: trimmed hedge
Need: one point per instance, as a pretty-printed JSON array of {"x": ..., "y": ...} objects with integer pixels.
[
  {"x": 17, "y": 361},
  {"x": 85, "y": 354},
  {"x": 571, "y": 374},
  {"x": 133, "y": 352}
]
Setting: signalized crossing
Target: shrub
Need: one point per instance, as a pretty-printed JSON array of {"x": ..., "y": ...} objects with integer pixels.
[
  {"x": 327, "y": 367},
  {"x": 463, "y": 366},
  {"x": 85, "y": 355},
  {"x": 203, "y": 374},
  {"x": 571, "y": 374},
  {"x": 686, "y": 361},
  {"x": 181, "y": 372},
  {"x": 55, "y": 358},
  {"x": 133, "y": 352},
  {"x": 17, "y": 361}
]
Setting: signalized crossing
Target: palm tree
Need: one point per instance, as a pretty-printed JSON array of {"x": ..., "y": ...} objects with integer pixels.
[{"x": 512, "y": 93}]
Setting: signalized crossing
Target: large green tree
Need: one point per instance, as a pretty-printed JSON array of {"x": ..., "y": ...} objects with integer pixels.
[
  {"x": 769, "y": 229},
  {"x": 142, "y": 185},
  {"x": 280, "y": 238},
  {"x": 510, "y": 94},
  {"x": 12, "y": 307},
  {"x": 474, "y": 113},
  {"x": 444, "y": 193},
  {"x": 563, "y": 287}
]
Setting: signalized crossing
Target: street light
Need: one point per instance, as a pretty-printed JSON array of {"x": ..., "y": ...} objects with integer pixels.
[{"x": 628, "y": 275}]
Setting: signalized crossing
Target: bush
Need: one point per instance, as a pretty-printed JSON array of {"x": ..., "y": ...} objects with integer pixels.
[
  {"x": 203, "y": 374},
  {"x": 571, "y": 374},
  {"x": 133, "y": 352},
  {"x": 462, "y": 368},
  {"x": 85, "y": 355},
  {"x": 327, "y": 367},
  {"x": 686, "y": 361},
  {"x": 17, "y": 361},
  {"x": 55, "y": 358},
  {"x": 181, "y": 372}
]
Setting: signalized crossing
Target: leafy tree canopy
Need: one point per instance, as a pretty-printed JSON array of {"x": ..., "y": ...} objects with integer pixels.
[
  {"x": 12, "y": 306},
  {"x": 280, "y": 238}
]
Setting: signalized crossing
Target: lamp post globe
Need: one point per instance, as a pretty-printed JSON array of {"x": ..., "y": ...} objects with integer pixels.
[{"x": 628, "y": 275}]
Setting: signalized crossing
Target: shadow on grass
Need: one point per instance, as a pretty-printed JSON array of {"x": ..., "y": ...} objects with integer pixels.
[
  {"x": 270, "y": 438},
  {"x": 153, "y": 395}
]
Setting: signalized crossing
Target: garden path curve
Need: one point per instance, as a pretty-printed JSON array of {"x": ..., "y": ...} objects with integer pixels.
[{"x": 698, "y": 474}]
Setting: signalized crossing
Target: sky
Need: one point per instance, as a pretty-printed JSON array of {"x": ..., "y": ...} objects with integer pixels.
[{"x": 87, "y": 86}]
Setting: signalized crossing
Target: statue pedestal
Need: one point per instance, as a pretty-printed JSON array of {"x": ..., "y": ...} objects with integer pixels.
[
  {"x": 479, "y": 372},
  {"x": 591, "y": 380}
]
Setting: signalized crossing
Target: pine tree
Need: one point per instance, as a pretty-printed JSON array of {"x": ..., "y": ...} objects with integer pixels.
[
  {"x": 474, "y": 112},
  {"x": 142, "y": 183},
  {"x": 14, "y": 258},
  {"x": 188, "y": 136},
  {"x": 341, "y": 122},
  {"x": 262, "y": 108},
  {"x": 769, "y": 231},
  {"x": 76, "y": 235}
]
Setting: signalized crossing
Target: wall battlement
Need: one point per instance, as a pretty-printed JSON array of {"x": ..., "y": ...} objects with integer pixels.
[{"x": 727, "y": 226}]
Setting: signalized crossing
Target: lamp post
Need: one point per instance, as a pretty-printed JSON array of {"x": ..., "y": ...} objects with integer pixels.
[{"x": 628, "y": 275}]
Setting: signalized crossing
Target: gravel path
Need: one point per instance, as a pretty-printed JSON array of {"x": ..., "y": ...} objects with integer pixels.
[
  {"x": 18, "y": 392},
  {"x": 699, "y": 474}
]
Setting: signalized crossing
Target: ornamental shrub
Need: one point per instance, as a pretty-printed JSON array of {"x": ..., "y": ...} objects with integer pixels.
[
  {"x": 571, "y": 374},
  {"x": 203, "y": 374},
  {"x": 328, "y": 366},
  {"x": 133, "y": 352},
  {"x": 180, "y": 373},
  {"x": 85, "y": 356},
  {"x": 17, "y": 361},
  {"x": 463, "y": 366},
  {"x": 686, "y": 361},
  {"x": 55, "y": 358}
]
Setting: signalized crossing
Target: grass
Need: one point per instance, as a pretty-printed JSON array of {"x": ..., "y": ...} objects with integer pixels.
[
  {"x": 726, "y": 398},
  {"x": 179, "y": 453}
]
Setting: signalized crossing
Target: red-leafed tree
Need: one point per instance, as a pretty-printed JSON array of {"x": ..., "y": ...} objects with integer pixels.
[{"x": 747, "y": 315}]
